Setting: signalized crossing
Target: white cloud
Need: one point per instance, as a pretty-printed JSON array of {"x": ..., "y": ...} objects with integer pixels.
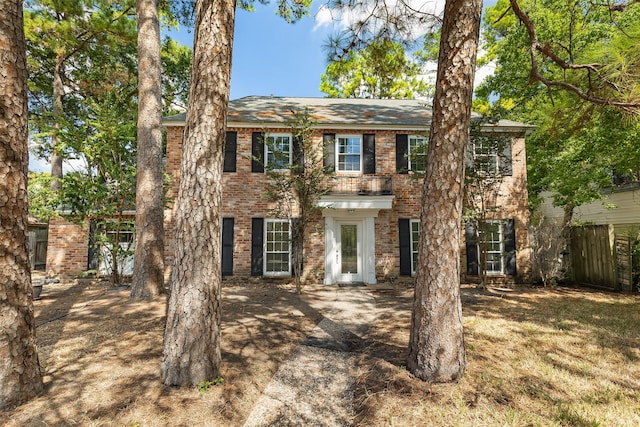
[{"x": 341, "y": 19}]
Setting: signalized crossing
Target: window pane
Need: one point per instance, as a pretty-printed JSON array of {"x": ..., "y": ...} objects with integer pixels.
[
  {"x": 415, "y": 239},
  {"x": 277, "y": 247},
  {"x": 417, "y": 153},
  {"x": 349, "y": 154}
]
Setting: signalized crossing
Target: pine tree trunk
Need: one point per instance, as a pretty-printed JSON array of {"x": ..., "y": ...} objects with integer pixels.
[
  {"x": 148, "y": 266},
  {"x": 436, "y": 346},
  {"x": 20, "y": 376},
  {"x": 58, "y": 111},
  {"x": 192, "y": 335}
]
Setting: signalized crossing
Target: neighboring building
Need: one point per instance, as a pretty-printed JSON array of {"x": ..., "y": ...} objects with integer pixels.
[
  {"x": 368, "y": 230},
  {"x": 619, "y": 207}
]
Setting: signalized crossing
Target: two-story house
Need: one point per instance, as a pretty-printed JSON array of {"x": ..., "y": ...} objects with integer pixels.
[
  {"x": 368, "y": 230},
  {"x": 369, "y": 226}
]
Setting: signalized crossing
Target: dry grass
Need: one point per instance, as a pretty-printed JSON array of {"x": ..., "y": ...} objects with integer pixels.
[{"x": 535, "y": 357}]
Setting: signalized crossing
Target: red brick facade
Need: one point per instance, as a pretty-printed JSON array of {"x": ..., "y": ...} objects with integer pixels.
[
  {"x": 67, "y": 249},
  {"x": 244, "y": 199}
]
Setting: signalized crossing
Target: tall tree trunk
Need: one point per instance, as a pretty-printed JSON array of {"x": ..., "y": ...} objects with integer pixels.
[
  {"x": 20, "y": 376},
  {"x": 192, "y": 336},
  {"x": 148, "y": 266},
  {"x": 58, "y": 111},
  {"x": 436, "y": 346}
]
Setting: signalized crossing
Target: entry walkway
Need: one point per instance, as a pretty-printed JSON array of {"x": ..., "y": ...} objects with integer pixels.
[{"x": 314, "y": 387}]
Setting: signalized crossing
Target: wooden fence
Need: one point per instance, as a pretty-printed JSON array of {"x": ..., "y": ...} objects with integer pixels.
[{"x": 600, "y": 258}]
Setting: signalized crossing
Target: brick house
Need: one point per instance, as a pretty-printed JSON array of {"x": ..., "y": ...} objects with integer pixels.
[
  {"x": 369, "y": 226},
  {"x": 369, "y": 229}
]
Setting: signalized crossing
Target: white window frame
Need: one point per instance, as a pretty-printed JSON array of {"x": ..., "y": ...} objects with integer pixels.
[
  {"x": 360, "y": 153},
  {"x": 267, "y": 151},
  {"x": 413, "y": 139},
  {"x": 500, "y": 252},
  {"x": 414, "y": 233},
  {"x": 266, "y": 252},
  {"x": 490, "y": 153}
]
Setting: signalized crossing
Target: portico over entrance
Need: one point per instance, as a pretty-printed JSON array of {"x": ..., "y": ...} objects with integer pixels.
[{"x": 350, "y": 237}]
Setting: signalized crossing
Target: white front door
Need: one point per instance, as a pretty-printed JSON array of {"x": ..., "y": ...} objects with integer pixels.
[{"x": 349, "y": 251}]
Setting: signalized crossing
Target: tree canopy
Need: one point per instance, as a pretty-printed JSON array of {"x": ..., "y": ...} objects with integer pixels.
[
  {"x": 380, "y": 70},
  {"x": 577, "y": 80}
]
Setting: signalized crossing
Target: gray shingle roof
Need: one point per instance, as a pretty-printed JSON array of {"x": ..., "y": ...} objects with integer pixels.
[{"x": 333, "y": 112}]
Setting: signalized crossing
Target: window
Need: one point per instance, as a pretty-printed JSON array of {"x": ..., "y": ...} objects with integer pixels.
[
  {"x": 417, "y": 153},
  {"x": 278, "y": 151},
  {"x": 491, "y": 236},
  {"x": 486, "y": 159},
  {"x": 119, "y": 240},
  {"x": 349, "y": 152},
  {"x": 277, "y": 247},
  {"x": 415, "y": 240}
]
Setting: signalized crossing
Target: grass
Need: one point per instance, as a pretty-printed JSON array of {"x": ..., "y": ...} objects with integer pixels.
[{"x": 535, "y": 357}]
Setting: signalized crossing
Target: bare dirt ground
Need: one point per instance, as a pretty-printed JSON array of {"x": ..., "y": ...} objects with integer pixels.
[{"x": 535, "y": 357}]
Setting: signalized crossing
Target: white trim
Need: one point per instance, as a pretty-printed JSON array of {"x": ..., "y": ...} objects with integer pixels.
[
  {"x": 333, "y": 219},
  {"x": 349, "y": 201},
  {"x": 267, "y": 151},
  {"x": 501, "y": 272},
  {"x": 360, "y": 154},
  {"x": 411, "y": 242},
  {"x": 264, "y": 249},
  {"x": 409, "y": 155}
]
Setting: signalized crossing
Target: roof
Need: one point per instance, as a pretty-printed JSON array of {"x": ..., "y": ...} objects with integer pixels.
[{"x": 270, "y": 111}]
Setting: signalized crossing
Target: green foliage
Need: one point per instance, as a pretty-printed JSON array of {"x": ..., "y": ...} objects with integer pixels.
[
  {"x": 298, "y": 189},
  {"x": 488, "y": 161},
  {"x": 577, "y": 144},
  {"x": 93, "y": 45},
  {"x": 204, "y": 386},
  {"x": 380, "y": 70},
  {"x": 42, "y": 200},
  {"x": 176, "y": 69}
]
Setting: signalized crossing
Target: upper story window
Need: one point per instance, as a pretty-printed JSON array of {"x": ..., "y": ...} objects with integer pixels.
[
  {"x": 490, "y": 155},
  {"x": 417, "y": 153},
  {"x": 278, "y": 151},
  {"x": 485, "y": 157},
  {"x": 349, "y": 153}
]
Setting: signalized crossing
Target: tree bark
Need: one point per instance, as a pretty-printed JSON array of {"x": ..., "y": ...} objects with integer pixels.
[
  {"x": 58, "y": 111},
  {"x": 20, "y": 376},
  {"x": 436, "y": 346},
  {"x": 192, "y": 335},
  {"x": 148, "y": 267}
]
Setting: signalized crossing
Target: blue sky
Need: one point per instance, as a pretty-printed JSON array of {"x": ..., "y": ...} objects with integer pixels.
[{"x": 272, "y": 57}]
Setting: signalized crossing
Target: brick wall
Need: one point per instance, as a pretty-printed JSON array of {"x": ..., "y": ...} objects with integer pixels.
[
  {"x": 67, "y": 249},
  {"x": 243, "y": 199}
]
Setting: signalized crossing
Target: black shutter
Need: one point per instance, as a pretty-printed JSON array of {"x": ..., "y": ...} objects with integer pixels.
[
  {"x": 402, "y": 152},
  {"x": 329, "y": 148},
  {"x": 257, "y": 236},
  {"x": 230, "y": 145},
  {"x": 404, "y": 233},
  {"x": 298, "y": 156},
  {"x": 369, "y": 153},
  {"x": 506, "y": 163},
  {"x": 509, "y": 233},
  {"x": 257, "y": 152},
  {"x": 227, "y": 246},
  {"x": 472, "y": 249}
]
